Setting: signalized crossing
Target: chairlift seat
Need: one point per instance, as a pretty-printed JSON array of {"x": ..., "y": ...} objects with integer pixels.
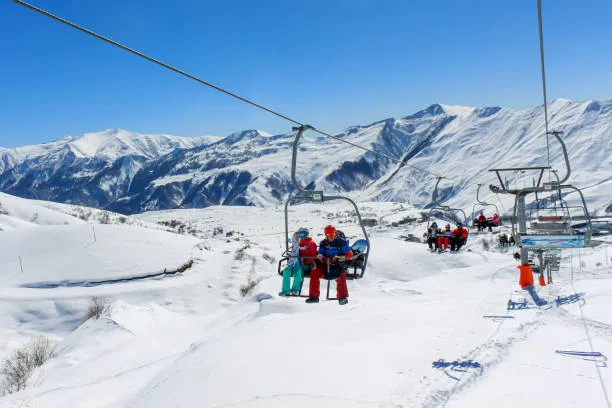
[
  {"x": 551, "y": 218},
  {"x": 360, "y": 249},
  {"x": 563, "y": 228}
]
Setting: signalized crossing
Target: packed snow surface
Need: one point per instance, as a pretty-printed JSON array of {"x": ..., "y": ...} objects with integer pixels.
[{"x": 421, "y": 329}]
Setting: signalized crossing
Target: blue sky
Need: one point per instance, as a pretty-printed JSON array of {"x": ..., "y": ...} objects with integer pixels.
[{"x": 329, "y": 63}]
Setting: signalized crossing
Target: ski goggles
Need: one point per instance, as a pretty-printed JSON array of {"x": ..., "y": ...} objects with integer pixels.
[{"x": 302, "y": 234}]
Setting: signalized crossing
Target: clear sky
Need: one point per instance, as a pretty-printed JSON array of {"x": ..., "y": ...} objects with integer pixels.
[{"x": 328, "y": 63}]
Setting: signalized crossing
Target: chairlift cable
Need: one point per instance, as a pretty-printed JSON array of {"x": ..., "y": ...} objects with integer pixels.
[
  {"x": 216, "y": 87},
  {"x": 155, "y": 61},
  {"x": 220, "y": 89}
]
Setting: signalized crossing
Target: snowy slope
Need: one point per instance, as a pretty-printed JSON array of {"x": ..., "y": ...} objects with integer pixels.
[
  {"x": 41, "y": 247},
  {"x": 502, "y": 138},
  {"x": 195, "y": 340}
]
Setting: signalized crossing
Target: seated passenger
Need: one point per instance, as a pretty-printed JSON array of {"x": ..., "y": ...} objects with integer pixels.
[
  {"x": 503, "y": 239},
  {"x": 308, "y": 250},
  {"x": 333, "y": 251},
  {"x": 459, "y": 237},
  {"x": 444, "y": 238},
  {"x": 482, "y": 222},
  {"x": 293, "y": 269},
  {"x": 493, "y": 222},
  {"x": 432, "y": 236}
]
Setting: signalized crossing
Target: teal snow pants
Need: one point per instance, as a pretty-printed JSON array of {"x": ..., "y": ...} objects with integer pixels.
[{"x": 292, "y": 271}]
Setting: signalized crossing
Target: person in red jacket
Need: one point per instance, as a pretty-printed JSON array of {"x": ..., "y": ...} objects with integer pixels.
[
  {"x": 301, "y": 259},
  {"x": 333, "y": 251},
  {"x": 308, "y": 250},
  {"x": 444, "y": 238},
  {"x": 458, "y": 238},
  {"x": 482, "y": 222}
]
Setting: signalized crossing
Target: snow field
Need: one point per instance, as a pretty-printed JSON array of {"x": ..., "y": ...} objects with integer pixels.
[{"x": 194, "y": 340}]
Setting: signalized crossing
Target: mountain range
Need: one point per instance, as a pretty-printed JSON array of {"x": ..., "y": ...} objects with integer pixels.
[{"x": 130, "y": 173}]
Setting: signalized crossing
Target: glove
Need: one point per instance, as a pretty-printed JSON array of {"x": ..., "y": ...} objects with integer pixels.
[{"x": 340, "y": 258}]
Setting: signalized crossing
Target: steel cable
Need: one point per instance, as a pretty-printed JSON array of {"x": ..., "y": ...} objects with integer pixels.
[{"x": 218, "y": 88}]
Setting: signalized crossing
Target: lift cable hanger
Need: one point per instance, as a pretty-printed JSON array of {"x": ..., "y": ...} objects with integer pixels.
[
  {"x": 313, "y": 196},
  {"x": 218, "y": 88},
  {"x": 448, "y": 212}
]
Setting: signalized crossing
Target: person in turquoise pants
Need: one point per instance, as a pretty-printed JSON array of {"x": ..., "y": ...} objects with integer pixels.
[{"x": 293, "y": 269}]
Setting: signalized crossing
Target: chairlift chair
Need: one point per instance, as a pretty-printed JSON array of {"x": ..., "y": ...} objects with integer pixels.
[
  {"x": 356, "y": 264},
  {"x": 445, "y": 212},
  {"x": 481, "y": 205},
  {"x": 551, "y": 218},
  {"x": 361, "y": 247}
]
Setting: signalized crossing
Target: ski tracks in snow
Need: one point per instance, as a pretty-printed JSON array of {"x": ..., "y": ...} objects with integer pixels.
[{"x": 489, "y": 354}]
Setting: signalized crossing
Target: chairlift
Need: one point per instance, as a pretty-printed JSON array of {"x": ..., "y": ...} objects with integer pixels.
[
  {"x": 446, "y": 213},
  {"x": 443, "y": 211},
  {"x": 544, "y": 234},
  {"x": 481, "y": 205},
  {"x": 551, "y": 217},
  {"x": 360, "y": 248}
]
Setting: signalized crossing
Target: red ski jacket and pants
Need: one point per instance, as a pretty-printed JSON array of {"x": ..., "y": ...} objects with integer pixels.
[{"x": 329, "y": 249}]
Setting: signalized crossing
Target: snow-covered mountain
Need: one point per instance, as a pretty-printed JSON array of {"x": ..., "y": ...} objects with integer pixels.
[
  {"x": 93, "y": 169},
  {"x": 127, "y": 175}
]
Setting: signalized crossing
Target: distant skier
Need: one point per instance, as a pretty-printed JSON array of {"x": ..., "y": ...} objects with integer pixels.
[
  {"x": 459, "y": 237},
  {"x": 333, "y": 251}
]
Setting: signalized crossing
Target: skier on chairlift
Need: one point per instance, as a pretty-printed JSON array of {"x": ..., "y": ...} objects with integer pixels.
[
  {"x": 444, "y": 238},
  {"x": 301, "y": 259},
  {"x": 482, "y": 222},
  {"x": 333, "y": 251},
  {"x": 493, "y": 222},
  {"x": 458, "y": 238},
  {"x": 432, "y": 237}
]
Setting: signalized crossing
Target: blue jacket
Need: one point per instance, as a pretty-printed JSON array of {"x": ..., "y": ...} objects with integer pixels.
[{"x": 338, "y": 246}]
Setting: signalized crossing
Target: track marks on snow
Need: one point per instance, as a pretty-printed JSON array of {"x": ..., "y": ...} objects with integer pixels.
[{"x": 489, "y": 354}]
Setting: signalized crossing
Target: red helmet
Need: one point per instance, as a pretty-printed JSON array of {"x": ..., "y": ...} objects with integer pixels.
[{"x": 330, "y": 230}]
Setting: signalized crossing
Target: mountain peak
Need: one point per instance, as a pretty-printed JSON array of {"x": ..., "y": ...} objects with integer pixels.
[
  {"x": 457, "y": 110},
  {"x": 442, "y": 109},
  {"x": 245, "y": 134}
]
